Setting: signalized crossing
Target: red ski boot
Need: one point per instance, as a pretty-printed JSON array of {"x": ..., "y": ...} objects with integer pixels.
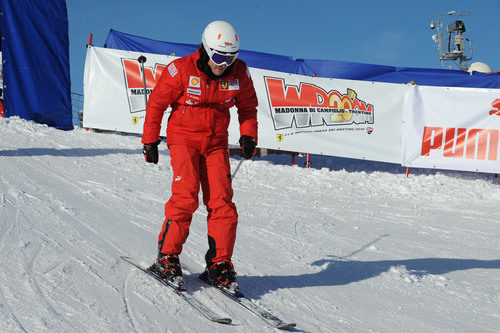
[{"x": 169, "y": 267}]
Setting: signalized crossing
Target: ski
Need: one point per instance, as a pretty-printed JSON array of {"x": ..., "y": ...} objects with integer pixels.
[
  {"x": 182, "y": 293},
  {"x": 263, "y": 314}
]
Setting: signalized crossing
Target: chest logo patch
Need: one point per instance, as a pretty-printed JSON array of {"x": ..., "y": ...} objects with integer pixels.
[
  {"x": 172, "y": 69},
  {"x": 229, "y": 85},
  {"x": 194, "y": 81},
  {"x": 196, "y": 92}
]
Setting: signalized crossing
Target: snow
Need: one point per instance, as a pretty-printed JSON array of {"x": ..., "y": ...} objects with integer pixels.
[{"x": 347, "y": 246}]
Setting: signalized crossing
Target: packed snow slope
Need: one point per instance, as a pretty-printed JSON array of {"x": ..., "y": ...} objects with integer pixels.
[{"x": 347, "y": 246}]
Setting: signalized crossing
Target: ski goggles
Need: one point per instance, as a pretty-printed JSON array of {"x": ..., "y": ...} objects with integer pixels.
[{"x": 220, "y": 58}]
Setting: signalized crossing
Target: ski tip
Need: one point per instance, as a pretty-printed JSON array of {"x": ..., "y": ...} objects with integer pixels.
[
  {"x": 287, "y": 326},
  {"x": 226, "y": 321}
]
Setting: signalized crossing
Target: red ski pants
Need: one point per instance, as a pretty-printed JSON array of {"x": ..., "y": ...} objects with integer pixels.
[{"x": 211, "y": 168}]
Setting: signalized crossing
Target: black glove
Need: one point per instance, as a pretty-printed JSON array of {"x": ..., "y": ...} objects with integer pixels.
[
  {"x": 247, "y": 144},
  {"x": 150, "y": 151}
]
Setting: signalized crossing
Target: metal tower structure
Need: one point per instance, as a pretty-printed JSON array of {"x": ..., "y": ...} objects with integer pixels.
[{"x": 451, "y": 41}]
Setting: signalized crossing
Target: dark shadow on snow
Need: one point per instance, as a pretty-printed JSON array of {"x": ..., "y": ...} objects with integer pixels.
[
  {"x": 334, "y": 163},
  {"x": 343, "y": 272}
]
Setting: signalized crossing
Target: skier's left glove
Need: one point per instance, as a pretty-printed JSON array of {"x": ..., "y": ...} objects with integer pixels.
[
  {"x": 150, "y": 151},
  {"x": 247, "y": 144}
]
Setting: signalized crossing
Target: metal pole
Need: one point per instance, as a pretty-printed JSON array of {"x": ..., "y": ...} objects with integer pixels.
[
  {"x": 142, "y": 60},
  {"x": 237, "y": 167}
]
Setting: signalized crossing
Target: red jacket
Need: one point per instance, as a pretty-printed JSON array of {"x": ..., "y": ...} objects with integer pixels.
[{"x": 200, "y": 106}]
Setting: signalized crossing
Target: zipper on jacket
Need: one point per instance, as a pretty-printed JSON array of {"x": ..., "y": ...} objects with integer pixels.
[{"x": 184, "y": 109}]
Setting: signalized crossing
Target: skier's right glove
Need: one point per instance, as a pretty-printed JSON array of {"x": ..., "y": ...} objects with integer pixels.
[
  {"x": 150, "y": 152},
  {"x": 247, "y": 144}
]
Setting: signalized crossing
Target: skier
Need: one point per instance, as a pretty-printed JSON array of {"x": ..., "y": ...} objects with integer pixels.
[{"x": 201, "y": 88}]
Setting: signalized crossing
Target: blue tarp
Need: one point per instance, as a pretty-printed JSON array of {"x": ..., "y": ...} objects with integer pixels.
[
  {"x": 35, "y": 51},
  {"x": 122, "y": 41},
  {"x": 321, "y": 68}
]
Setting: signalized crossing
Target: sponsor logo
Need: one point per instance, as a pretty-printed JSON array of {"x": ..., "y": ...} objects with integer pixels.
[
  {"x": 475, "y": 143},
  {"x": 279, "y": 137},
  {"x": 134, "y": 83},
  {"x": 234, "y": 84},
  {"x": 309, "y": 105},
  {"x": 369, "y": 130},
  {"x": 177, "y": 178},
  {"x": 229, "y": 85},
  {"x": 135, "y": 120},
  {"x": 196, "y": 92},
  {"x": 495, "y": 104},
  {"x": 172, "y": 69},
  {"x": 194, "y": 81},
  {"x": 479, "y": 144}
]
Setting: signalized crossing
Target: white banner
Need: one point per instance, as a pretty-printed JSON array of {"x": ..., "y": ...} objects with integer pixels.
[
  {"x": 355, "y": 119},
  {"x": 113, "y": 88},
  {"x": 452, "y": 128}
]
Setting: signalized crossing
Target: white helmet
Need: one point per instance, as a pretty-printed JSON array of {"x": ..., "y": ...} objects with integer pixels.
[{"x": 221, "y": 42}]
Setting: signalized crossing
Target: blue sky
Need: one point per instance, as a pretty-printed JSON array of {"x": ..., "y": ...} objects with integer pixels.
[{"x": 385, "y": 32}]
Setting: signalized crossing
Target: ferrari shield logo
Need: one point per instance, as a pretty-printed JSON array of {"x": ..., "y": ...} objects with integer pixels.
[
  {"x": 279, "y": 137},
  {"x": 135, "y": 120}
]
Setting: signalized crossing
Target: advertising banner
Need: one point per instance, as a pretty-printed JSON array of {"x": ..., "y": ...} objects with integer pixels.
[
  {"x": 346, "y": 118},
  {"x": 452, "y": 128},
  {"x": 113, "y": 88}
]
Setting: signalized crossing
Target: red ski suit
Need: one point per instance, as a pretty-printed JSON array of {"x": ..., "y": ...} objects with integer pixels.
[{"x": 197, "y": 137}]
